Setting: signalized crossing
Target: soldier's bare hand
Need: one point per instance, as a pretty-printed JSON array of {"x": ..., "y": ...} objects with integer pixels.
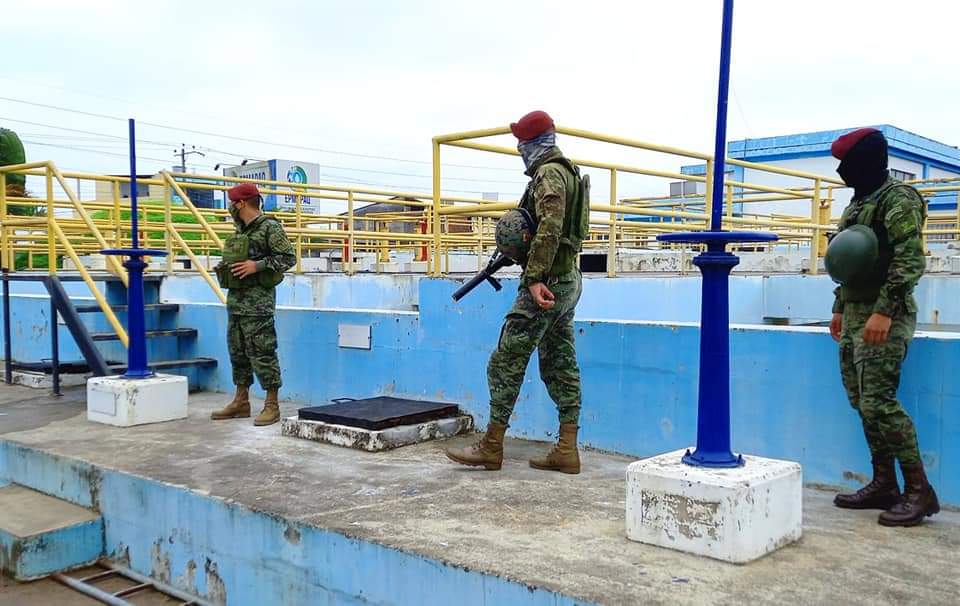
[
  {"x": 242, "y": 269},
  {"x": 836, "y": 325},
  {"x": 542, "y": 295},
  {"x": 877, "y": 329}
]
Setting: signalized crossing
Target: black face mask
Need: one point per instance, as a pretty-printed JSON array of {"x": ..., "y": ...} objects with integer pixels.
[{"x": 864, "y": 168}]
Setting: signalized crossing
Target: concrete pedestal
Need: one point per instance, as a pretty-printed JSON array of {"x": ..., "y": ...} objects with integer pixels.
[
  {"x": 127, "y": 402},
  {"x": 735, "y": 515}
]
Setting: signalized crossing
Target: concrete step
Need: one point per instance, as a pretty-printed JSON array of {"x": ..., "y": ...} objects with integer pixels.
[
  {"x": 170, "y": 332},
  {"x": 94, "y": 308},
  {"x": 168, "y": 364},
  {"x": 41, "y": 535}
]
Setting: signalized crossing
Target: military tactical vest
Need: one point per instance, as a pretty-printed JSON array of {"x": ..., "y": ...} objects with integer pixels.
[
  {"x": 870, "y": 212},
  {"x": 236, "y": 249},
  {"x": 576, "y": 216}
]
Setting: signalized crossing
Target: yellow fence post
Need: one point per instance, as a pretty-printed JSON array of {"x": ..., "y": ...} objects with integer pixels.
[
  {"x": 51, "y": 224},
  {"x": 348, "y": 261},
  {"x": 5, "y": 260},
  {"x": 299, "y": 210},
  {"x": 956, "y": 227},
  {"x": 435, "y": 214},
  {"x": 612, "y": 247},
  {"x": 708, "y": 195},
  {"x": 117, "y": 232},
  {"x": 168, "y": 227},
  {"x": 815, "y": 238}
]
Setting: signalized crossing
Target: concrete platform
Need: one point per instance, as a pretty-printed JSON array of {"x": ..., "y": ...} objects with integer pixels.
[
  {"x": 372, "y": 440},
  {"x": 561, "y": 533}
]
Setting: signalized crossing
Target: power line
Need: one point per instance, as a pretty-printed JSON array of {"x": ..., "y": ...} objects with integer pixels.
[
  {"x": 106, "y": 153},
  {"x": 247, "y": 139},
  {"x": 122, "y": 140}
]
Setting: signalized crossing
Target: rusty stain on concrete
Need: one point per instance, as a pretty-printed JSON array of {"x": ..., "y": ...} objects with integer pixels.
[
  {"x": 692, "y": 518},
  {"x": 160, "y": 562},
  {"x": 216, "y": 590}
]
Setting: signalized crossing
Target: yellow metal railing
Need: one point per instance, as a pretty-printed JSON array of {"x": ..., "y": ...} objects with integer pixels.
[
  {"x": 432, "y": 225},
  {"x": 612, "y": 227}
]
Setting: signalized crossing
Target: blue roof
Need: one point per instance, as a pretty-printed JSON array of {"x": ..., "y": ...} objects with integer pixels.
[{"x": 902, "y": 143}]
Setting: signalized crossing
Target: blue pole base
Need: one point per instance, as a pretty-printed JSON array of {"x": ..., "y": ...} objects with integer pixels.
[
  {"x": 721, "y": 460},
  {"x": 137, "y": 351},
  {"x": 713, "y": 403}
]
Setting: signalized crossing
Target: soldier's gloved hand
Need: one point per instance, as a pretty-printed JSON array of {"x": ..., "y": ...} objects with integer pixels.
[
  {"x": 877, "y": 329},
  {"x": 836, "y": 325},
  {"x": 542, "y": 295},
  {"x": 242, "y": 269}
]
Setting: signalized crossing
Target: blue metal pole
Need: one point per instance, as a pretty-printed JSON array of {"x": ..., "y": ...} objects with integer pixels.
[
  {"x": 136, "y": 330},
  {"x": 720, "y": 143}
]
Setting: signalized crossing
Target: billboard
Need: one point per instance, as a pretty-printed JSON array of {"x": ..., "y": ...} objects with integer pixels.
[{"x": 281, "y": 170}]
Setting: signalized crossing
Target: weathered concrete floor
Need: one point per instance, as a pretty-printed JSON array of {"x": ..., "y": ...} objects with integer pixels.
[{"x": 565, "y": 533}]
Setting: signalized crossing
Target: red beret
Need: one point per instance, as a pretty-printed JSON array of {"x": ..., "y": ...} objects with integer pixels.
[
  {"x": 532, "y": 125},
  {"x": 845, "y": 143},
  {"x": 243, "y": 191}
]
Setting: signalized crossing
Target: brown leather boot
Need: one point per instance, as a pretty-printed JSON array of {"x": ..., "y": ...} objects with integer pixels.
[
  {"x": 563, "y": 457},
  {"x": 271, "y": 410},
  {"x": 881, "y": 493},
  {"x": 488, "y": 452},
  {"x": 919, "y": 500},
  {"x": 238, "y": 408}
]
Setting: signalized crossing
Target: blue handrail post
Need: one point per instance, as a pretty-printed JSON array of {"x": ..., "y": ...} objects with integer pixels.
[
  {"x": 713, "y": 409},
  {"x": 136, "y": 325}
]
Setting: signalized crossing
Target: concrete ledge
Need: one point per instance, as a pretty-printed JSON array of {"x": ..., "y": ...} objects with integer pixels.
[
  {"x": 375, "y": 441},
  {"x": 39, "y": 380},
  {"x": 41, "y": 535},
  {"x": 735, "y": 515}
]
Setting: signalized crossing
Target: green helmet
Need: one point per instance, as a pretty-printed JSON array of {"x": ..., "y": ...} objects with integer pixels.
[
  {"x": 515, "y": 230},
  {"x": 851, "y": 254}
]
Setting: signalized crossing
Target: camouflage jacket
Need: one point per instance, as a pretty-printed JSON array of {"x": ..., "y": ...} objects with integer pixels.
[
  {"x": 551, "y": 188},
  {"x": 271, "y": 249},
  {"x": 898, "y": 218}
]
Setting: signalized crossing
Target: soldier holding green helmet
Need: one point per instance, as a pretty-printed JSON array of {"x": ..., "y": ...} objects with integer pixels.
[{"x": 877, "y": 258}]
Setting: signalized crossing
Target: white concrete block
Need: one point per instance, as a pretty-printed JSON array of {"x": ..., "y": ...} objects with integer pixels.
[
  {"x": 127, "y": 402},
  {"x": 735, "y": 515}
]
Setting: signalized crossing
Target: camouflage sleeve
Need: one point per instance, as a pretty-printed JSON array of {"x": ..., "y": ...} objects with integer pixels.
[
  {"x": 903, "y": 218},
  {"x": 282, "y": 255},
  {"x": 549, "y": 195}
]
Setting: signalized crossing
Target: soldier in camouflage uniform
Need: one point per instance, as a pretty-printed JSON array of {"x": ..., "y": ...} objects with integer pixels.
[
  {"x": 542, "y": 315},
  {"x": 251, "y": 302},
  {"x": 874, "y": 317}
]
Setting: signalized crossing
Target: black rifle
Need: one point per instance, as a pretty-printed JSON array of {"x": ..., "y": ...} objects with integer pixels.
[{"x": 496, "y": 263}]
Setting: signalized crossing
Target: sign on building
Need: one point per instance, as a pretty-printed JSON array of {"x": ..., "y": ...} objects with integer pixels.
[{"x": 288, "y": 171}]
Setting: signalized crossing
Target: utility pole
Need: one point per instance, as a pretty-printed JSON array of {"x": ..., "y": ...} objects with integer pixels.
[{"x": 183, "y": 153}]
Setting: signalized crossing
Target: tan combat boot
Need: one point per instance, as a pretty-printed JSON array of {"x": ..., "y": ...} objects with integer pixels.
[
  {"x": 488, "y": 452},
  {"x": 238, "y": 408},
  {"x": 564, "y": 456},
  {"x": 271, "y": 410}
]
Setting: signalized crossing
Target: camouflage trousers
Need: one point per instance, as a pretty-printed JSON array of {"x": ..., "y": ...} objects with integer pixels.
[
  {"x": 252, "y": 341},
  {"x": 550, "y": 331},
  {"x": 871, "y": 376}
]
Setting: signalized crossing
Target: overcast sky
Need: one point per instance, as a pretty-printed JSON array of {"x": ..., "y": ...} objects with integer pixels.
[{"x": 323, "y": 80}]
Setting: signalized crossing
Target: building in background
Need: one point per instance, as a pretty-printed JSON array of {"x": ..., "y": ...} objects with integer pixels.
[{"x": 911, "y": 157}]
